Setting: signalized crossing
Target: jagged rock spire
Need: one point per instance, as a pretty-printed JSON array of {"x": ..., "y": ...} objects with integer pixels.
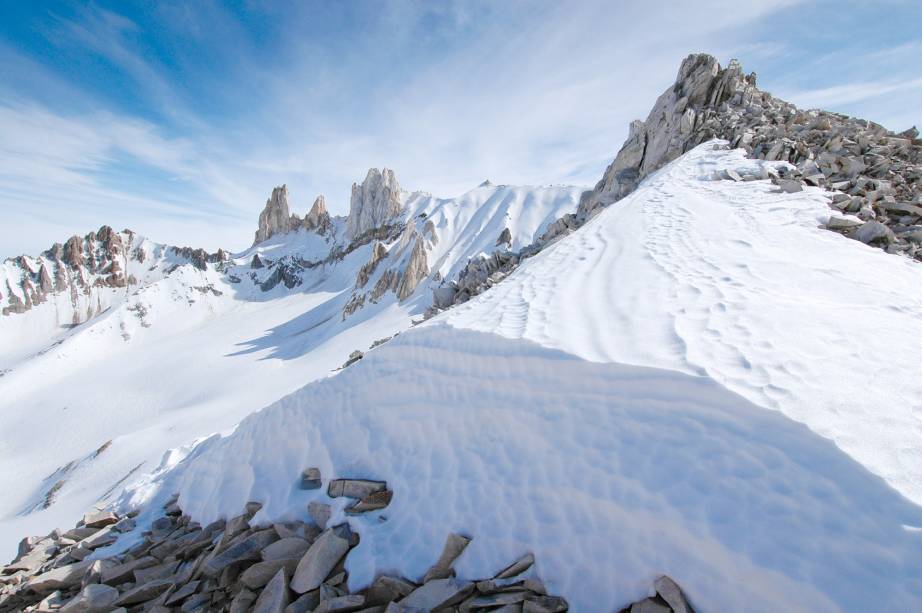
[
  {"x": 374, "y": 203},
  {"x": 318, "y": 219},
  {"x": 276, "y": 217},
  {"x": 672, "y": 127}
]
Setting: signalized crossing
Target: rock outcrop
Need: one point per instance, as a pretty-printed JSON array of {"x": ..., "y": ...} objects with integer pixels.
[
  {"x": 83, "y": 276},
  {"x": 374, "y": 203},
  {"x": 276, "y": 218},
  {"x": 875, "y": 174},
  {"x": 235, "y": 566},
  {"x": 417, "y": 269},
  {"x": 318, "y": 219}
]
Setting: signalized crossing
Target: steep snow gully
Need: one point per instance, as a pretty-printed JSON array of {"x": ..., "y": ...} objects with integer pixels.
[{"x": 700, "y": 382}]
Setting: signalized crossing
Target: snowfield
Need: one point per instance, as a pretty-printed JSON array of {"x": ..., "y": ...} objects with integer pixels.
[
  {"x": 699, "y": 382},
  {"x": 185, "y": 355}
]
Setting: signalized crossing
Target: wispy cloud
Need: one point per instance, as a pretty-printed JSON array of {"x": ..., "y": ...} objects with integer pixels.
[
  {"x": 840, "y": 95},
  {"x": 179, "y": 119}
]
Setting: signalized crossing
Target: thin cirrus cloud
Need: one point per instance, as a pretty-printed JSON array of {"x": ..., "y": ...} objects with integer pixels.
[{"x": 177, "y": 119}]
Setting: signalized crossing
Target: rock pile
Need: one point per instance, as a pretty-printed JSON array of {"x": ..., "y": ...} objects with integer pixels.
[
  {"x": 238, "y": 566},
  {"x": 872, "y": 172}
]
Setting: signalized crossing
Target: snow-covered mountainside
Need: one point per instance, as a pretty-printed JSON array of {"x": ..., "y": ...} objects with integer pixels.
[
  {"x": 679, "y": 387},
  {"x": 679, "y": 372},
  {"x": 144, "y": 347}
]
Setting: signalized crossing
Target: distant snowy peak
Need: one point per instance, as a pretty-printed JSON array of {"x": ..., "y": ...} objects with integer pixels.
[{"x": 81, "y": 277}]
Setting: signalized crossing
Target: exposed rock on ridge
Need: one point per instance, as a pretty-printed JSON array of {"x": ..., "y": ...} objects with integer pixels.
[
  {"x": 318, "y": 219},
  {"x": 275, "y": 218},
  {"x": 374, "y": 203},
  {"x": 85, "y": 269},
  {"x": 877, "y": 173}
]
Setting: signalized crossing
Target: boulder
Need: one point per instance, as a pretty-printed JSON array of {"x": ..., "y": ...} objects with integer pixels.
[
  {"x": 247, "y": 549},
  {"x": 373, "y": 502},
  {"x": 62, "y": 577},
  {"x": 261, "y": 573},
  {"x": 94, "y": 598},
  {"x": 438, "y": 593},
  {"x": 320, "y": 513},
  {"x": 310, "y": 479},
  {"x": 843, "y": 223},
  {"x": 145, "y": 592},
  {"x": 99, "y": 519},
  {"x": 670, "y": 591},
  {"x": 321, "y": 558},
  {"x": 291, "y": 547},
  {"x": 872, "y": 231},
  {"x": 274, "y": 597},
  {"x": 354, "y": 488},
  {"x": 790, "y": 186},
  {"x": 454, "y": 546},
  {"x": 516, "y": 568}
]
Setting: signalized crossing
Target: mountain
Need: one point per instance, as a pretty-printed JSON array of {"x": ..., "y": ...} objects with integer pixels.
[
  {"x": 679, "y": 372},
  {"x": 135, "y": 348}
]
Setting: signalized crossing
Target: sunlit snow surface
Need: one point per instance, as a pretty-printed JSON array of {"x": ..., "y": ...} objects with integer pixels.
[
  {"x": 190, "y": 353},
  {"x": 700, "y": 382}
]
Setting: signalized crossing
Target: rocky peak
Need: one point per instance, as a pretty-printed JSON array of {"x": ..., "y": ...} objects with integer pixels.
[
  {"x": 276, "y": 218},
  {"x": 374, "y": 203},
  {"x": 673, "y": 126},
  {"x": 318, "y": 219}
]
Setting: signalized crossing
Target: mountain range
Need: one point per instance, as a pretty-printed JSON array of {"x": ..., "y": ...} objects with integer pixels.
[{"x": 702, "y": 367}]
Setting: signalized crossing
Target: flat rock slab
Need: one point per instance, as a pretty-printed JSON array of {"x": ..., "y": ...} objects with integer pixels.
[
  {"x": 123, "y": 572},
  {"x": 291, "y": 547},
  {"x": 261, "y": 573},
  {"x": 355, "y": 488},
  {"x": 438, "y": 593},
  {"x": 145, "y": 592},
  {"x": 321, "y": 558},
  {"x": 65, "y": 576},
  {"x": 182, "y": 593},
  {"x": 274, "y": 598},
  {"x": 94, "y": 598},
  {"x": 249, "y": 548},
  {"x": 99, "y": 519}
]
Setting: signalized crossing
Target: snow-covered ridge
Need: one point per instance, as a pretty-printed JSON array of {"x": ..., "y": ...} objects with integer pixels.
[
  {"x": 679, "y": 387},
  {"x": 190, "y": 343}
]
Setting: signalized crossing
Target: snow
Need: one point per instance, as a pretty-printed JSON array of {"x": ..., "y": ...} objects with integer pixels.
[
  {"x": 700, "y": 382},
  {"x": 183, "y": 355}
]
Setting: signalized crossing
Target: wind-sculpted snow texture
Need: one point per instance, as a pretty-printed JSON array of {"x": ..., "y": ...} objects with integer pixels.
[
  {"x": 610, "y": 474},
  {"x": 178, "y": 346},
  {"x": 580, "y": 410},
  {"x": 736, "y": 281}
]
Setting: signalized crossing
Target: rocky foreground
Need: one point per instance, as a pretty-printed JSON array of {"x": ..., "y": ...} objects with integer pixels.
[{"x": 236, "y": 566}]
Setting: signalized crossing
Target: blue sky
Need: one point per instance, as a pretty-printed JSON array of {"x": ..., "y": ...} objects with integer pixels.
[{"x": 176, "y": 119}]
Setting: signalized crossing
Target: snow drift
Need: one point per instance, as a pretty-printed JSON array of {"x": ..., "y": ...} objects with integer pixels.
[{"x": 700, "y": 382}]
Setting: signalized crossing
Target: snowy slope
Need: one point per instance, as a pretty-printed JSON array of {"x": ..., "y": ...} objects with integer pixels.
[
  {"x": 175, "y": 357},
  {"x": 700, "y": 382}
]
